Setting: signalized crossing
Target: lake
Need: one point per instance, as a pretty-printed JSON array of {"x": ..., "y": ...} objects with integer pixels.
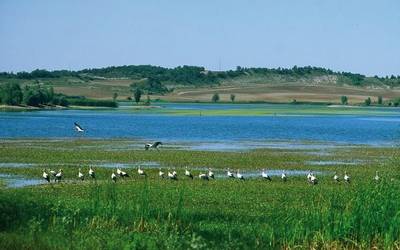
[{"x": 227, "y": 129}]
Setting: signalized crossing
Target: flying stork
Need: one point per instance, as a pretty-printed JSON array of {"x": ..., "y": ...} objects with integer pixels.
[
  {"x": 154, "y": 145},
  {"x": 78, "y": 127}
]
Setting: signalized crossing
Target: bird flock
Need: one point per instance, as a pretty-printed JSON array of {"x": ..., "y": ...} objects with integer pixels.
[
  {"x": 118, "y": 173},
  {"x": 173, "y": 175}
]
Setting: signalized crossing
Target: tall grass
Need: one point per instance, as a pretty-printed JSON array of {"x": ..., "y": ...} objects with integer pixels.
[{"x": 226, "y": 214}]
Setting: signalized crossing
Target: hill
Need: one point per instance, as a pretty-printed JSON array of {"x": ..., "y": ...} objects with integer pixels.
[{"x": 192, "y": 83}]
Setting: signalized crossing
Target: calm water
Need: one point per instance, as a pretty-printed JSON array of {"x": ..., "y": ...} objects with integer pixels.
[{"x": 375, "y": 130}]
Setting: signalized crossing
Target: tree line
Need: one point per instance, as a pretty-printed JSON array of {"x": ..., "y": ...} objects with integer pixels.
[
  {"x": 160, "y": 77},
  {"x": 35, "y": 95}
]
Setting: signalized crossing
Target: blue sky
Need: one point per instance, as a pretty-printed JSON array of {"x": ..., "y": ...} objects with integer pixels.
[{"x": 357, "y": 36}]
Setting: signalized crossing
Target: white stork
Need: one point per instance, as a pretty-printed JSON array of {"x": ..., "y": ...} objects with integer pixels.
[
  {"x": 80, "y": 175},
  {"x": 78, "y": 128},
  {"x": 161, "y": 173},
  {"x": 336, "y": 178},
  {"x": 309, "y": 175},
  {"x": 141, "y": 172},
  {"x": 376, "y": 178},
  {"x": 230, "y": 174},
  {"x": 313, "y": 179},
  {"x": 239, "y": 175},
  {"x": 91, "y": 173},
  {"x": 346, "y": 177},
  {"x": 45, "y": 175},
  {"x": 53, "y": 173},
  {"x": 172, "y": 176},
  {"x": 265, "y": 175},
  {"x": 114, "y": 177},
  {"x": 188, "y": 174},
  {"x": 152, "y": 145},
  {"x": 59, "y": 175},
  {"x": 284, "y": 176},
  {"x": 121, "y": 173},
  {"x": 210, "y": 173},
  {"x": 203, "y": 176}
]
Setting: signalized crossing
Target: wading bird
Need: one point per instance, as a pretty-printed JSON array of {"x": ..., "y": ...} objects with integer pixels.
[
  {"x": 121, "y": 173},
  {"x": 210, "y": 173},
  {"x": 203, "y": 177},
  {"x": 80, "y": 175},
  {"x": 239, "y": 175},
  {"x": 141, "y": 172},
  {"x": 53, "y": 173},
  {"x": 188, "y": 174},
  {"x": 91, "y": 173},
  {"x": 376, "y": 178},
  {"x": 284, "y": 176},
  {"x": 59, "y": 175},
  {"x": 313, "y": 179},
  {"x": 78, "y": 127},
  {"x": 265, "y": 175},
  {"x": 114, "y": 177},
  {"x": 161, "y": 173},
  {"x": 46, "y": 175},
  {"x": 336, "y": 178},
  {"x": 154, "y": 145},
  {"x": 172, "y": 176},
  {"x": 346, "y": 177},
  {"x": 309, "y": 175},
  {"x": 230, "y": 174}
]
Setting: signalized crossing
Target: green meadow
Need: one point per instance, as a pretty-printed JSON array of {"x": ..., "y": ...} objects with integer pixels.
[
  {"x": 257, "y": 109},
  {"x": 153, "y": 213}
]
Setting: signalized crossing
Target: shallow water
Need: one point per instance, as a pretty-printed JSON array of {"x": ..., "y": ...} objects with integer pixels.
[
  {"x": 228, "y": 132},
  {"x": 16, "y": 181}
]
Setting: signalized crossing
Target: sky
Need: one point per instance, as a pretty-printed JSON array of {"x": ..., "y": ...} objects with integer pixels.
[{"x": 361, "y": 36}]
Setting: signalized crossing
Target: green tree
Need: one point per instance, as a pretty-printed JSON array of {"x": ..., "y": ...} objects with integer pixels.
[
  {"x": 367, "y": 101},
  {"x": 137, "y": 94},
  {"x": 115, "y": 96},
  {"x": 233, "y": 97},
  {"x": 380, "y": 100},
  {"x": 215, "y": 97},
  {"x": 344, "y": 100},
  {"x": 11, "y": 94}
]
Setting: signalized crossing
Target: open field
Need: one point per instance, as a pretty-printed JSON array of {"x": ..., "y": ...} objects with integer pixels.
[
  {"x": 246, "y": 90},
  {"x": 282, "y": 93},
  {"x": 141, "y": 212}
]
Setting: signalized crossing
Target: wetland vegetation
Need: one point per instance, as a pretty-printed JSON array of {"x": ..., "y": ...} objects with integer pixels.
[{"x": 150, "y": 212}]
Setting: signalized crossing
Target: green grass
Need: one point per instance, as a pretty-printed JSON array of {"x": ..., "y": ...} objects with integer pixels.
[
  {"x": 270, "y": 110},
  {"x": 149, "y": 213}
]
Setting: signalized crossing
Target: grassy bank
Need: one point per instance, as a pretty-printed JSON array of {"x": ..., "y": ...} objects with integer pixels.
[{"x": 142, "y": 213}]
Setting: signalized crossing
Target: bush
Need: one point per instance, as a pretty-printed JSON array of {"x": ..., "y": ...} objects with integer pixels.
[
  {"x": 367, "y": 101},
  {"x": 11, "y": 94},
  {"x": 91, "y": 103},
  {"x": 344, "y": 100},
  {"x": 215, "y": 97},
  {"x": 380, "y": 100}
]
